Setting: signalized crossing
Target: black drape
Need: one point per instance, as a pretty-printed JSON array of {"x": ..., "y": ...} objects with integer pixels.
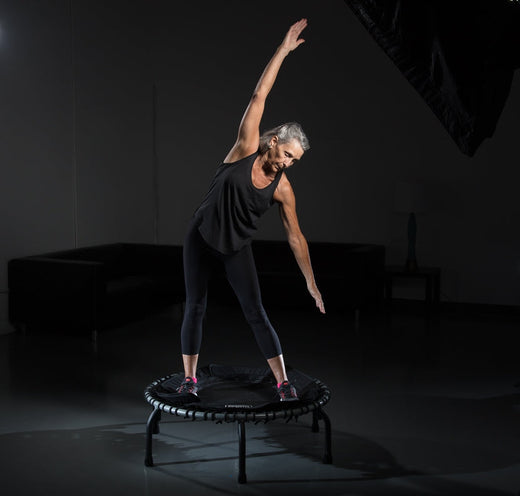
[{"x": 460, "y": 55}]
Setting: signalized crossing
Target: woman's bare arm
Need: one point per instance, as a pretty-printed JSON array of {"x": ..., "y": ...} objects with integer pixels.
[
  {"x": 284, "y": 195},
  {"x": 249, "y": 129}
]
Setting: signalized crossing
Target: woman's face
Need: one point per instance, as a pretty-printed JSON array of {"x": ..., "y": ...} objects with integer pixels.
[{"x": 282, "y": 155}]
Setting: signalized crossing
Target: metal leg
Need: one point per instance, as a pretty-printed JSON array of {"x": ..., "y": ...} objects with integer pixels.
[
  {"x": 315, "y": 425},
  {"x": 155, "y": 427},
  {"x": 151, "y": 427},
  {"x": 327, "y": 457},
  {"x": 242, "y": 479}
]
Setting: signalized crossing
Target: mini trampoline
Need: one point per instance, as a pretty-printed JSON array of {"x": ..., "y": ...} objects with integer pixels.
[{"x": 237, "y": 394}]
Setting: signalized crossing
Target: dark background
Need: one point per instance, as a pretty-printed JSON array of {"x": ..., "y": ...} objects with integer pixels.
[{"x": 115, "y": 114}]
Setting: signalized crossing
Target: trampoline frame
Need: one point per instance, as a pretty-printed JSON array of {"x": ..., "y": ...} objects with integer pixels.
[{"x": 241, "y": 417}]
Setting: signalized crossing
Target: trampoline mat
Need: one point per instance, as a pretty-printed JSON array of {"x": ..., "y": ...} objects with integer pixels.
[{"x": 223, "y": 387}]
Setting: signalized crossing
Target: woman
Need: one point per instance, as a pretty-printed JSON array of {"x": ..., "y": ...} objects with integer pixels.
[{"x": 246, "y": 184}]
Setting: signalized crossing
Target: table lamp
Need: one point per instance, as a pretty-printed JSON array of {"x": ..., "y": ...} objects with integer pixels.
[{"x": 409, "y": 198}]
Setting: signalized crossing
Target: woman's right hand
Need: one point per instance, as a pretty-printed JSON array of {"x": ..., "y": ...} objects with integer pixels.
[
  {"x": 313, "y": 290},
  {"x": 291, "y": 41}
]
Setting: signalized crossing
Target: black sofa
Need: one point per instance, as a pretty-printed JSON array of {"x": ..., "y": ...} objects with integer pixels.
[
  {"x": 93, "y": 288},
  {"x": 350, "y": 276}
]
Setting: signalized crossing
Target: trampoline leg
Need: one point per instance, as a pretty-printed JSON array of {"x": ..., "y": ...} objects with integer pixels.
[
  {"x": 155, "y": 427},
  {"x": 315, "y": 426},
  {"x": 151, "y": 425},
  {"x": 242, "y": 479},
  {"x": 327, "y": 457}
]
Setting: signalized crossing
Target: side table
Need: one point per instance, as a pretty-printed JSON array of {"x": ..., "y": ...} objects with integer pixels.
[{"x": 432, "y": 280}]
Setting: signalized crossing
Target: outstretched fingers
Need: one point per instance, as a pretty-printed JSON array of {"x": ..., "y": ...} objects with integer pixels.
[
  {"x": 291, "y": 40},
  {"x": 313, "y": 290},
  {"x": 298, "y": 27},
  {"x": 320, "y": 305}
]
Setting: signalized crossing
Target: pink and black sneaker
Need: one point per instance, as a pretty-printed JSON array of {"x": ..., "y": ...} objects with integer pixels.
[
  {"x": 188, "y": 386},
  {"x": 287, "y": 391}
]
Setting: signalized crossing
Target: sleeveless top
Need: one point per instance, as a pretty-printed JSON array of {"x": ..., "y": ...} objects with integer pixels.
[{"x": 229, "y": 212}]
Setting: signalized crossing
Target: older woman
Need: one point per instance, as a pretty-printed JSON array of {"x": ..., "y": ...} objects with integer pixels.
[{"x": 245, "y": 185}]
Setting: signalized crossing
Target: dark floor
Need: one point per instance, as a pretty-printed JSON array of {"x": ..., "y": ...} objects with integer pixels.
[{"x": 415, "y": 410}]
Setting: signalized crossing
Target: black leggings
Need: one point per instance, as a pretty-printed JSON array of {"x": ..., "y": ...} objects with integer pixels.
[{"x": 241, "y": 274}]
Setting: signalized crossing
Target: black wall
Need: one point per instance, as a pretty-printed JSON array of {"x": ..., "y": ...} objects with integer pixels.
[{"x": 91, "y": 88}]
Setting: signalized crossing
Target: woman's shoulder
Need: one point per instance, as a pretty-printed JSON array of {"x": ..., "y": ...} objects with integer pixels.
[
  {"x": 240, "y": 151},
  {"x": 229, "y": 160},
  {"x": 284, "y": 190}
]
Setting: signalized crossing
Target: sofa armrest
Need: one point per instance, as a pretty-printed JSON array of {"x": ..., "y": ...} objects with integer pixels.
[{"x": 47, "y": 289}]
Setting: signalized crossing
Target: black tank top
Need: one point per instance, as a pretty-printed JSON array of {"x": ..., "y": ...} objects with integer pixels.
[{"x": 230, "y": 210}]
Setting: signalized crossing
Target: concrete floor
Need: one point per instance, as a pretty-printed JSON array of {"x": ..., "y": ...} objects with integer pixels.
[{"x": 415, "y": 410}]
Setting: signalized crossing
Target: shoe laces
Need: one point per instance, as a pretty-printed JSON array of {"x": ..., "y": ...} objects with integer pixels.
[
  {"x": 287, "y": 390},
  {"x": 187, "y": 386}
]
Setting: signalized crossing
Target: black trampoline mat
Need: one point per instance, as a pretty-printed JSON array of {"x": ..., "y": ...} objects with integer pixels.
[{"x": 232, "y": 388}]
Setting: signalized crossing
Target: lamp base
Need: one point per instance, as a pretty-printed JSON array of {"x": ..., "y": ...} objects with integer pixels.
[{"x": 411, "y": 265}]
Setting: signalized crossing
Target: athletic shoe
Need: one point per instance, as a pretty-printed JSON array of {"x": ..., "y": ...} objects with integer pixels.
[
  {"x": 286, "y": 391},
  {"x": 188, "y": 386}
]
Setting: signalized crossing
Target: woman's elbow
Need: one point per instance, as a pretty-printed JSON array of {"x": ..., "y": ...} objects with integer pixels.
[{"x": 259, "y": 96}]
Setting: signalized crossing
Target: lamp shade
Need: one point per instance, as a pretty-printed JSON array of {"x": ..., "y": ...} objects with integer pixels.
[{"x": 409, "y": 197}]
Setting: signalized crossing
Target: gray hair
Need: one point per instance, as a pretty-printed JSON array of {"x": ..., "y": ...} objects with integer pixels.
[{"x": 286, "y": 133}]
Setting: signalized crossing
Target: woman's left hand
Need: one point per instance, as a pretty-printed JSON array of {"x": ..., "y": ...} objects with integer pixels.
[
  {"x": 291, "y": 41},
  {"x": 313, "y": 290}
]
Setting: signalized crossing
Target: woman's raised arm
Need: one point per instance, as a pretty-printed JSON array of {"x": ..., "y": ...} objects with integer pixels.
[{"x": 249, "y": 129}]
